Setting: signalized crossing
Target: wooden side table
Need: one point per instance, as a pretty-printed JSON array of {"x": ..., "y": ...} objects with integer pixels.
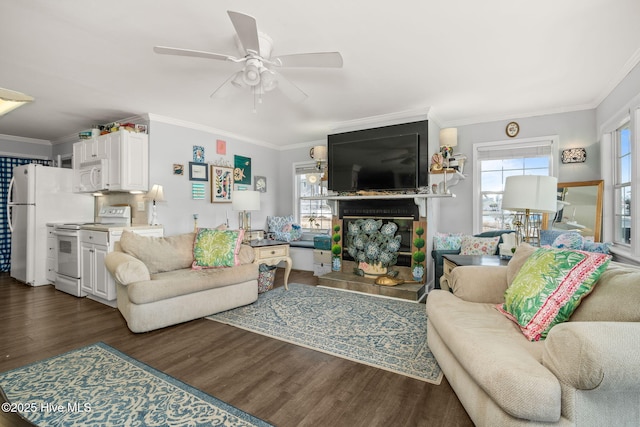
[
  {"x": 452, "y": 261},
  {"x": 272, "y": 252}
]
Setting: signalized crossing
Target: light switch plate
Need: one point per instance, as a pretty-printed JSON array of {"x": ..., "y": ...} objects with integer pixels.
[{"x": 140, "y": 206}]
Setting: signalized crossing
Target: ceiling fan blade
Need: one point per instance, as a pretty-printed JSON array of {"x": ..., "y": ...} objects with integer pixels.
[
  {"x": 290, "y": 90},
  {"x": 247, "y": 30},
  {"x": 229, "y": 85},
  {"x": 163, "y": 50},
  {"x": 317, "y": 59}
]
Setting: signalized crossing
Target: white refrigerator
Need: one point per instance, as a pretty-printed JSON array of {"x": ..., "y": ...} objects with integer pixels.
[{"x": 39, "y": 195}]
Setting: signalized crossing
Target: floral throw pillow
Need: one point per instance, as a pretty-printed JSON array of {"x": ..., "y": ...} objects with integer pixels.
[
  {"x": 447, "y": 241},
  {"x": 549, "y": 287},
  {"x": 602, "y": 248},
  {"x": 216, "y": 248},
  {"x": 472, "y": 245},
  {"x": 277, "y": 223},
  {"x": 568, "y": 241}
]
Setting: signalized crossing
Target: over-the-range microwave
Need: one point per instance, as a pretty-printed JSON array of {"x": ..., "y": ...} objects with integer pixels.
[{"x": 92, "y": 176}]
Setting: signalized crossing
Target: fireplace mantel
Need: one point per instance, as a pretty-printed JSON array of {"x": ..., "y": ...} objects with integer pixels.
[{"x": 419, "y": 199}]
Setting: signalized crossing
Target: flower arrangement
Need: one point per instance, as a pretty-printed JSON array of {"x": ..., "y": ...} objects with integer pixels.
[{"x": 369, "y": 241}]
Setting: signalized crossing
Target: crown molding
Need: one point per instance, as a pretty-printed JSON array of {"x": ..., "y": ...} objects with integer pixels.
[
  {"x": 25, "y": 139},
  {"x": 209, "y": 129},
  {"x": 381, "y": 120},
  {"x": 504, "y": 117}
]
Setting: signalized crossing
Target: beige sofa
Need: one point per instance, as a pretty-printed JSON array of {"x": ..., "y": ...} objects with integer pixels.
[
  {"x": 156, "y": 286},
  {"x": 586, "y": 372}
]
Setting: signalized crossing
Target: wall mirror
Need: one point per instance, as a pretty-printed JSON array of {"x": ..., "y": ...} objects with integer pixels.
[{"x": 579, "y": 208}]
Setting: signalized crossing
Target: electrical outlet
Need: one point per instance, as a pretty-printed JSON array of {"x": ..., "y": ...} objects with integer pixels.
[{"x": 140, "y": 206}]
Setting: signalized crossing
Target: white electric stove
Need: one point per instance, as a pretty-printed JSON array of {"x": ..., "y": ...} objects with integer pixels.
[{"x": 97, "y": 238}]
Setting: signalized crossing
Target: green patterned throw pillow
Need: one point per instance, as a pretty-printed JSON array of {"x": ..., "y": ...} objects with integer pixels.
[
  {"x": 549, "y": 287},
  {"x": 216, "y": 248}
]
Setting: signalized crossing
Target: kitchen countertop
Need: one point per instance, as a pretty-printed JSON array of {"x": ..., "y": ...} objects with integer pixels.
[{"x": 113, "y": 227}]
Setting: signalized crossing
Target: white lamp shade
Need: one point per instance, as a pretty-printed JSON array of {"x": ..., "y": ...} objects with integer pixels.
[
  {"x": 319, "y": 153},
  {"x": 449, "y": 137},
  {"x": 245, "y": 201},
  {"x": 534, "y": 192},
  {"x": 156, "y": 193}
]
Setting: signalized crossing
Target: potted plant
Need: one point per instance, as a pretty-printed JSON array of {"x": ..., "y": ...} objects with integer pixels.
[
  {"x": 418, "y": 256},
  {"x": 373, "y": 246},
  {"x": 336, "y": 249}
]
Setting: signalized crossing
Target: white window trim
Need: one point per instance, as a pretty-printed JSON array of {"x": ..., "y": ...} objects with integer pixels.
[
  {"x": 517, "y": 143},
  {"x": 631, "y": 113},
  {"x": 296, "y": 190}
]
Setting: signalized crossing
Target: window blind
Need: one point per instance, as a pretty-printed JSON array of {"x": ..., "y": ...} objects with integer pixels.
[{"x": 499, "y": 152}]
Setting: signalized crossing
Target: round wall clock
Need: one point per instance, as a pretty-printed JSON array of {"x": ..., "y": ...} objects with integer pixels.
[{"x": 512, "y": 129}]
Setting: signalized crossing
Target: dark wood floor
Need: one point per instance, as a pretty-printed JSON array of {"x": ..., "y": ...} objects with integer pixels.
[{"x": 278, "y": 382}]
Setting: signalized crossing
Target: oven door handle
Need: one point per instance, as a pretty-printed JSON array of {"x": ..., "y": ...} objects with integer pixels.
[{"x": 66, "y": 233}]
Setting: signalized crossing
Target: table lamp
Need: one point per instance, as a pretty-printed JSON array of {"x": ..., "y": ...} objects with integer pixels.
[
  {"x": 530, "y": 194},
  {"x": 245, "y": 201},
  {"x": 157, "y": 195}
]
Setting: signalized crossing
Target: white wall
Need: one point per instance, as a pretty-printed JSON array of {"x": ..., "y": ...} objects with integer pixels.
[
  {"x": 170, "y": 143},
  {"x": 575, "y": 129}
]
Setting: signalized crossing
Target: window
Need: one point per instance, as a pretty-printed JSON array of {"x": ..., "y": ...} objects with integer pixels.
[
  {"x": 493, "y": 163},
  {"x": 311, "y": 214},
  {"x": 622, "y": 185}
]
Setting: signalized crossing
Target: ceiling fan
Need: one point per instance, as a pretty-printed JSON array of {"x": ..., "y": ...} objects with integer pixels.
[{"x": 258, "y": 72}]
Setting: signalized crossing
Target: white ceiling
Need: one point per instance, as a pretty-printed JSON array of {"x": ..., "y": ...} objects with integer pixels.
[{"x": 91, "y": 61}]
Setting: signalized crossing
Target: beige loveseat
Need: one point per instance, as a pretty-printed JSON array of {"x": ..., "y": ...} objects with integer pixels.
[
  {"x": 156, "y": 286},
  {"x": 585, "y": 373}
]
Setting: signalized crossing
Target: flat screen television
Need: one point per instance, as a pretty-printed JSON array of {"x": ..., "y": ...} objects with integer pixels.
[{"x": 379, "y": 163}]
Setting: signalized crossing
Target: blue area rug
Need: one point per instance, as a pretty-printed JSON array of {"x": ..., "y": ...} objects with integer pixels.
[
  {"x": 386, "y": 333},
  {"x": 98, "y": 385}
]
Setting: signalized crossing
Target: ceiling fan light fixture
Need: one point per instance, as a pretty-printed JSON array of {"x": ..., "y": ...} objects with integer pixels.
[
  {"x": 251, "y": 72},
  {"x": 268, "y": 78},
  {"x": 10, "y": 100},
  {"x": 237, "y": 80}
]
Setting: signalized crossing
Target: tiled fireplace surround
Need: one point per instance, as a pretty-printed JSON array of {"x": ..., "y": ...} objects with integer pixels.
[{"x": 401, "y": 211}]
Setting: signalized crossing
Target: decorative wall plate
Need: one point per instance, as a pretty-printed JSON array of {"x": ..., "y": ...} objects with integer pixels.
[{"x": 512, "y": 129}]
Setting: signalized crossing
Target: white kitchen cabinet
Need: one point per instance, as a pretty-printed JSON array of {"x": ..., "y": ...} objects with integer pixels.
[
  {"x": 95, "y": 279},
  {"x": 127, "y": 154},
  {"x": 89, "y": 150}
]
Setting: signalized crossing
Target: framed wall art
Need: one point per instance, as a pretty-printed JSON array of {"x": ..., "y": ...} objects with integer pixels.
[
  {"x": 198, "y": 154},
  {"x": 260, "y": 184},
  {"x": 221, "y": 184},
  {"x": 178, "y": 169},
  {"x": 221, "y": 146},
  {"x": 198, "y": 171},
  {"x": 242, "y": 169}
]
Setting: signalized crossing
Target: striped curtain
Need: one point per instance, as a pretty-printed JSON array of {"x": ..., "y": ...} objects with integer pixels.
[{"x": 6, "y": 172}]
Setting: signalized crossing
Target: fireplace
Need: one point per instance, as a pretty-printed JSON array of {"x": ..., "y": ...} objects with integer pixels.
[{"x": 403, "y": 212}]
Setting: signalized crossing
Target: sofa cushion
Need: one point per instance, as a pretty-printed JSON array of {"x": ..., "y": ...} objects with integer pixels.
[
  {"x": 568, "y": 241},
  {"x": 605, "y": 303},
  {"x": 602, "y": 248},
  {"x": 549, "y": 287},
  {"x": 159, "y": 253},
  {"x": 175, "y": 283},
  {"x": 214, "y": 248},
  {"x": 497, "y": 356},
  {"x": 447, "y": 241},
  {"x": 472, "y": 245},
  {"x": 548, "y": 236}
]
